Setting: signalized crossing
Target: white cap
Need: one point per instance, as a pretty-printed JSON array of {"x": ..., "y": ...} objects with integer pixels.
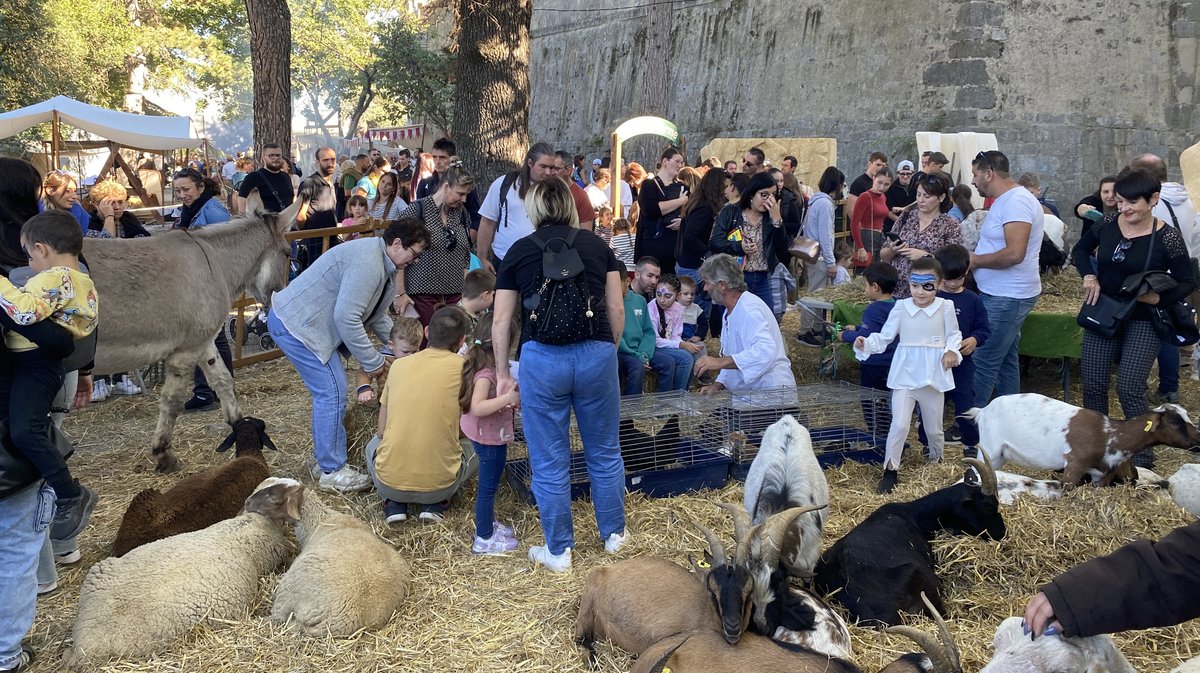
[
  {"x": 596, "y": 162},
  {"x": 905, "y": 164}
]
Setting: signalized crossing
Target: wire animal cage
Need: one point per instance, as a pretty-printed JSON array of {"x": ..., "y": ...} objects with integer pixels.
[
  {"x": 668, "y": 442},
  {"x": 845, "y": 421}
]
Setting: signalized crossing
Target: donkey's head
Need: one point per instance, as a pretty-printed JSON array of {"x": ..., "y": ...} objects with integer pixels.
[{"x": 271, "y": 267}]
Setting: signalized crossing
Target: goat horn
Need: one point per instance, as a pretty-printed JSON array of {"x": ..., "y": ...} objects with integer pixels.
[
  {"x": 719, "y": 555},
  {"x": 987, "y": 476},
  {"x": 944, "y": 654},
  {"x": 770, "y": 534},
  {"x": 741, "y": 520}
]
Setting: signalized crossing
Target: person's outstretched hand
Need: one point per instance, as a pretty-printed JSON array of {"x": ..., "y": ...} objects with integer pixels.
[
  {"x": 83, "y": 392},
  {"x": 1039, "y": 618}
]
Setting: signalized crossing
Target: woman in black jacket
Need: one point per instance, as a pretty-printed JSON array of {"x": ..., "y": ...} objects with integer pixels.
[
  {"x": 111, "y": 220},
  {"x": 752, "y": 232},
  {"x": 659, "y": 201},
  {"x": 1125, "y": 243},
  {"x": 699, "y": 213}
]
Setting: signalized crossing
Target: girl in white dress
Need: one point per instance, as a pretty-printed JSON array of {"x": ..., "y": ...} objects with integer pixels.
[{"x": 920, "y": 373}]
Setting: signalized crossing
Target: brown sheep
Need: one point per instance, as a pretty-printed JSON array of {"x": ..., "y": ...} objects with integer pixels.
[{"x": 202, "y": 499}]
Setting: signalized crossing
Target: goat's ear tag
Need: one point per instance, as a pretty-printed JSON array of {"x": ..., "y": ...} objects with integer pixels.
[
  {"x": 1149, "y": 425},
  {"x": 702, "y": 564}
]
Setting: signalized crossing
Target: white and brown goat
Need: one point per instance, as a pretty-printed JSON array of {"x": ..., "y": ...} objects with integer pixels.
[{"x": 1047, "y": 434}]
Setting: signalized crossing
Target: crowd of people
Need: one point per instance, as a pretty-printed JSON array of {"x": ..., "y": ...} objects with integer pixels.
[{"x": 457, "y": 290}]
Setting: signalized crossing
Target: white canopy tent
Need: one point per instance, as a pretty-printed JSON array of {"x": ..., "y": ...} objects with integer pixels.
[
  {"x": 139, "y": 132},
  {"x": 119, "y": 129}
]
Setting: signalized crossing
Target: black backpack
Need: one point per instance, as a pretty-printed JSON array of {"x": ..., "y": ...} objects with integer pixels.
[{"x": 560, "y": 312}]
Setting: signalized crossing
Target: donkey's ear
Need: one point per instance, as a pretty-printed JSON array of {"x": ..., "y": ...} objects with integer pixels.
[
  {"x": 285, "y": 220},
  {"x": 254, "y": 203}
]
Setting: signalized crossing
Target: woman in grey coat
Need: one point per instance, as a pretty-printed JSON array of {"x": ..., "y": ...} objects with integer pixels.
[{"x": 327, "y": 310}]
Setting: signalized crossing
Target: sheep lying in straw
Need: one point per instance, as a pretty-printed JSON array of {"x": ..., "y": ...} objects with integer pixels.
[
  {"x": 134, "y": 605},
  {"x": 202, "y": 499},
  {"x": 1185, "y": 488},
  {"x": 345, "y": 578}
]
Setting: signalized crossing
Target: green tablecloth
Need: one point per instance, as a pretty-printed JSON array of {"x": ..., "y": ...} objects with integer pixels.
[{"x": 1044, "y": 335}]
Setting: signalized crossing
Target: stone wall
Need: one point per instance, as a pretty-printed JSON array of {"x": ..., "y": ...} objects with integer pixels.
[{"x": 1072, "y": 88}]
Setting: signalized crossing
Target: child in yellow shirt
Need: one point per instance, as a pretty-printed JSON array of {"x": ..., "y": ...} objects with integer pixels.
[{"x": 63, "y": 294}]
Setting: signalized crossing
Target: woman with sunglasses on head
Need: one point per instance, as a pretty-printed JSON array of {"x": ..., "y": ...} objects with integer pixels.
[
  {"x": 61, "y": 192},
  {"x": 868, "y": 218},
  {"x": 752, "y": 231},
  {"x": 438, "y": 280},
  {"x": 1125, "y": 243},
  {"x": 921, "y": 230}
]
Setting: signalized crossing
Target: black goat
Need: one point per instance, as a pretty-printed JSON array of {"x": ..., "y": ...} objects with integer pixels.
[{"x": 883, "y": 564}]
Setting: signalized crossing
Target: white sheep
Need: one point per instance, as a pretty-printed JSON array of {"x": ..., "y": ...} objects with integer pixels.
[
  {"x": 1185, "y": 488},
  {"x": 1048, "y": 434},
  {"x": 134, "y": 605},
  {"x": 1189, "y": 666},
  {"x": 1016, "y": 653},
  {"x": 785, "y": 474},
  {"x": 345, "y": 578}
]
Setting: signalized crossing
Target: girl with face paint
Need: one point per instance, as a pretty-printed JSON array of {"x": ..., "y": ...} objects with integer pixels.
[{"x": 929, "y": 347}]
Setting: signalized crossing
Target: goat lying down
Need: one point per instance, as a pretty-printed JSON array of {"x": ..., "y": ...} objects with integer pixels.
[
  {"x": 1047, "y": 434},
  {"x": 706, "y": 652},
  {"x": 1010, "y": 485},
  {"x": 785, "y": 473},
  {"x": 1016, "y": 653}
]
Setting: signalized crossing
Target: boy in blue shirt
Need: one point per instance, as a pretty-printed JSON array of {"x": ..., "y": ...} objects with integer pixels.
[
  {"x": 973, "y": 323},
  {"x": 873, "y": 372}
]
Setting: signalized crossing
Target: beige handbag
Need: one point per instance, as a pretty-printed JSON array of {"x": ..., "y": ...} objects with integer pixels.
[{"x": 805, "y": 248}]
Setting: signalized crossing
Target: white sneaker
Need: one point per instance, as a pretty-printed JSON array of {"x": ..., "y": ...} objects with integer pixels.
[
  {"x": 44, "y": 589},
  {"x": 615, "y": 541},
  {"x": 125, "y": 387},
  {"x": 347, "y": 480},
  {"x": 68, "y": 558},
  {"x": 558, "y": 563},
  {"x": 99, "y": 390}
]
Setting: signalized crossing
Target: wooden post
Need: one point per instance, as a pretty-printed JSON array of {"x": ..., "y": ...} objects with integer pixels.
[
  {"x": 614, "y": 167},
  {"x": 54, "y": 142}
]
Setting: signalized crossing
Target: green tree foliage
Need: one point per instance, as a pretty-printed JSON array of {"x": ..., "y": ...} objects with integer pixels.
[{"x": 419, "y": 77}]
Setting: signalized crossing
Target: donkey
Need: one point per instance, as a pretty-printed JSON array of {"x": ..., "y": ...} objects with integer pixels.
[{"x": 167, "y": 296}]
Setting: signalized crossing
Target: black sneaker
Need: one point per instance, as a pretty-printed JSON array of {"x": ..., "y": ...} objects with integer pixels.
[
  {"x": 810, "y": 339},
  {"x": 1144, "y": 458},
  {"x": 952, "y": 436},
  {"x": 394, "y": 512},
  {"x": 201, "y": 403},
  {"x": 888, "y": 483},
  {"x": 970, "y": 452},
  {"x": 434, "y": 512},
  {"x": 72, "y": 514}
]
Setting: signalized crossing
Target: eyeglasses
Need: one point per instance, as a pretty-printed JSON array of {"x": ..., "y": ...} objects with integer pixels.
[
  {"x": 905, "y": 172},
  {"x": 451, "y": 239},
  {"x": 188, "y": 173},
  {"x": 1119, "y": 251},
  {"x": 986, "y": 157},
  {"x": 928, "y": 287}
]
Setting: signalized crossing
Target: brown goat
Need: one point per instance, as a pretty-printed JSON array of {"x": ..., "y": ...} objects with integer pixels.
[{"x": 202, "y": 499}]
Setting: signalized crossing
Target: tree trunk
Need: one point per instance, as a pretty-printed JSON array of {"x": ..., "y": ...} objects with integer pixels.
[
  {"x": 491, "y": 108},
  {"x": 271, "y": 61},
  {"x": 366, "y": 95}
]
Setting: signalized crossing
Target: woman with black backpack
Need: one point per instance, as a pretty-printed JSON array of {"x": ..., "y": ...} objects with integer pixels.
[{"x": 569, "y": 290}]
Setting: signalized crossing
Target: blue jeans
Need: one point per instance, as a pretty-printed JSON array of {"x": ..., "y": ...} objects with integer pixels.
[
  {"x": 758, "y": 283},
  {"x": 996, "y": 364},
  {"x": 674, "y": 368},
  {"x": 702, "y": 299},
  {"x": 1168, "y": 368},
  {"x": 632, "y": 372},
  {"x": 326, "y": 382},
  {"x": 491, "y": 466},
  {"x": 553, "y": 381},
  {"x": 24, "y": 518}
]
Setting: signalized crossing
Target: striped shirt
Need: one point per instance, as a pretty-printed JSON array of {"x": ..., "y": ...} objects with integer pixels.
[{"x": 622, "y": 247}]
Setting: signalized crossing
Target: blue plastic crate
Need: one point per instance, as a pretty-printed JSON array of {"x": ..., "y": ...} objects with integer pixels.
[
  {"x": 841, "y": 434},
  {"x": 703, "y": 469}
]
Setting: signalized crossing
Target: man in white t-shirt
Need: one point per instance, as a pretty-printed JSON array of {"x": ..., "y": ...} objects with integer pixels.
[
  {"x": 498, "y": 232},
  {"x": 1006, "y": 270},
  {"x": 597, "y": 191}
]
